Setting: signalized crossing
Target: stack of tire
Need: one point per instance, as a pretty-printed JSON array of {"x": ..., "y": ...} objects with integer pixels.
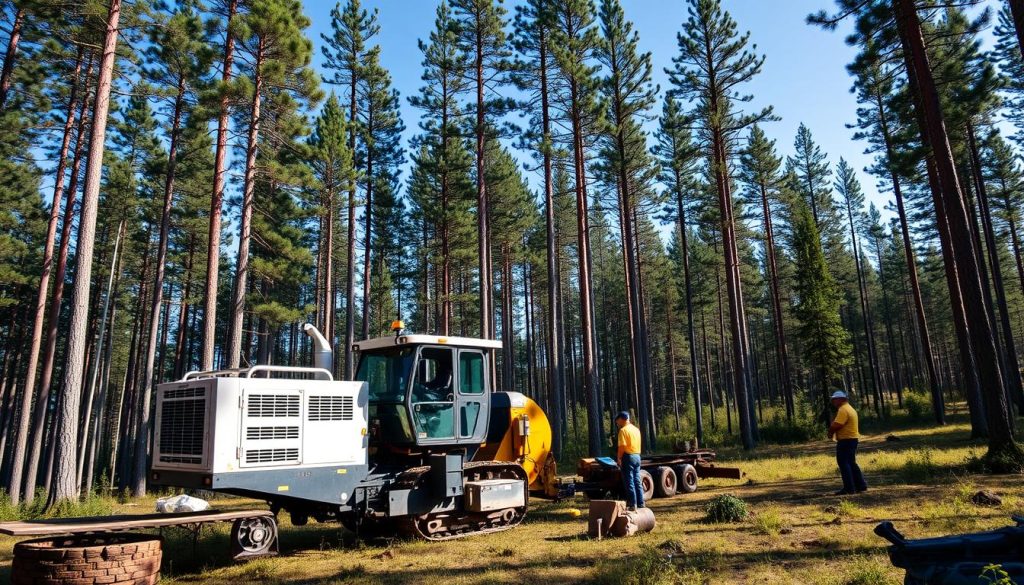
[{"x": 88, "y": 560}]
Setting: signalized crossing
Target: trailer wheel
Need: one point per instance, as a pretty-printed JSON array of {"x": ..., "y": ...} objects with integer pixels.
[
  {"x": 687, "y": 475},
  {"x": 253, "y": 537},
  {"x": 647, "y": 481},
  {"x": 664, "y": 482},
  {"x": 88, "y": 559}
]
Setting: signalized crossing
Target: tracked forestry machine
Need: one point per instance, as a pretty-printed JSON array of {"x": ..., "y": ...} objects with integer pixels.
[{"x": 419, "y": 444}]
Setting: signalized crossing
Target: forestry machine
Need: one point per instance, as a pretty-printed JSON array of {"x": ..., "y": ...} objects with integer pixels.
[{"x": 418, "y": 444}]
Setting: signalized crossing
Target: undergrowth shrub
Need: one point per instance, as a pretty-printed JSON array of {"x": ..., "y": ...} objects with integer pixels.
[
  {"x": 802, "y": 429},
  {"x": 726, "y": 508},
  {"x": 918, "y": 405}
]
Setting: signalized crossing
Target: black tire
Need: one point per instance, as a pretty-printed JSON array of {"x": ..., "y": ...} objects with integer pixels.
[
  {"x": 254, "y": 537},
  {"x": 687, "y": 475},
  {"x": 665, "y": 482},
  {"x": 647, "y": 481}
]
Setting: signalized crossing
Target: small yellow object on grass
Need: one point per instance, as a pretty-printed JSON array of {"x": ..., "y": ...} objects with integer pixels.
[{"x": 574, "y": 512}]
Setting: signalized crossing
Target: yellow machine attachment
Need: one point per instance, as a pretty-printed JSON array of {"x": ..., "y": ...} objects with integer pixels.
[{"x": 520, "y": 432}]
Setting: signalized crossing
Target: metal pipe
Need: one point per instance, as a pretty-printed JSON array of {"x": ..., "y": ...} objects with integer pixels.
[{"x": 323, "y": 355}]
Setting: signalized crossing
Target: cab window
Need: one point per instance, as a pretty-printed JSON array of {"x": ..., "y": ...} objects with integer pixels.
[
  {"x": 471, "y": 372},
  {"x": 433, "y": 394}
]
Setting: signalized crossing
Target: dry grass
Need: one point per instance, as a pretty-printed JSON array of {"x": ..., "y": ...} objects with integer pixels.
[{"x": 797, "y": 532}]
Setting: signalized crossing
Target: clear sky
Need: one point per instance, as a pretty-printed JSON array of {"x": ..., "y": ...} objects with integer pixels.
[{"x": 804, "y": 75}]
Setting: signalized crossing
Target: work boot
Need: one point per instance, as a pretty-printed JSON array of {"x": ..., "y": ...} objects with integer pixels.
[{"x": 631, "y": 508}]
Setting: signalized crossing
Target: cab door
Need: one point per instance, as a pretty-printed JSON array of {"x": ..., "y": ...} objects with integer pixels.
[{"x": 472, "y": 398}]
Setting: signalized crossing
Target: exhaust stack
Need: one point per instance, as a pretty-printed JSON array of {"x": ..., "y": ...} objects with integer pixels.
[{"x": 323, "y": 355}]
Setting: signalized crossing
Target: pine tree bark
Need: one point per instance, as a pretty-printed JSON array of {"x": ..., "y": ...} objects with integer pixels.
[
  {"x": 65, "y": 485},
  {"x": 216, "y": 201},
  {"x": 10, "y": 56},
  {"x": 21, "y": 437},
  {"x": 41, "y": 412},
  {"x": 248, "y": 193},
  {"x": 100, "y": 354},
  {"x": 950, "y": 196}
]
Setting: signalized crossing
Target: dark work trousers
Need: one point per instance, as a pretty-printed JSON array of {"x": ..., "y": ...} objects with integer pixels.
[
  {"x": 846, "y": 457},
  {"x": 631, "y": 485}
]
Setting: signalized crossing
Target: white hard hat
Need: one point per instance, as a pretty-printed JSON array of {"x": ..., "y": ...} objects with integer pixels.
[{"x": 838, "y": 394}]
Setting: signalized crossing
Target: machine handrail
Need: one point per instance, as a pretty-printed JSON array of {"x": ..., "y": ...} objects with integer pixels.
[{"x": 247, "y": 372}]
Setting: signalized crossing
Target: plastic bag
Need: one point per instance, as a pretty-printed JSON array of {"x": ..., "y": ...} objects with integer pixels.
[{"x": 181, "y": 503}]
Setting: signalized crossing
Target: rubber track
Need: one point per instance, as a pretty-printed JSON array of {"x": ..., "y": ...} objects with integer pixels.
[{"x": 410, "y": 525}]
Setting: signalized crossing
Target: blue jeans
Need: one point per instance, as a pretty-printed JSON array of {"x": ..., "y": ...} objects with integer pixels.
[
  {"x": 634, "y": 490},
  {"x": 846, "y": 457}
]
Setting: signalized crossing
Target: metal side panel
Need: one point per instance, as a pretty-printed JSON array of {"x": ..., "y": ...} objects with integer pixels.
[{"x": 330, "y": 485}]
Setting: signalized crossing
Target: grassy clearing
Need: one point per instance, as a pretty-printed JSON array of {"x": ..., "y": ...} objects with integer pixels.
[{"x": 795, "y": 532}]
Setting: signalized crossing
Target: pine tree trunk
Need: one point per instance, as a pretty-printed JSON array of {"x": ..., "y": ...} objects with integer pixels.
[
  {"x": 11, "y": 55},
  {"x": 950, "y": 197},
  {"x": 368, "y": 228},
  {"x": 690, "y": 326},
  {"x": 908, "y": 250},
  {"x": 41, "y": 412},
  {"x": 555, "y": 373},
  {"x": 90, "y": 393},
  {"x": 181, "y": 349},
  {"x": 737, "y": 322},
  {"x": 216, "y": 201},
  {"x": 782, "y": 353},
  {"x": 138, "y": 485},
  {"x": 591, "y": 378},
  {"x": 869, "y": 338},
  {"x": 350, "y": 256},
  {"x": 1012, "y": 371},
  {"x": 970, "y": 374},
  {"x": 21, "y": 437},
  {"x": 638, "y": 333},
  {"x": 65, "y": 485},
  {"x": 245, "y": 230},
  {"x": 482, "y": 211},
  {"x": 1015, "y": 240}
]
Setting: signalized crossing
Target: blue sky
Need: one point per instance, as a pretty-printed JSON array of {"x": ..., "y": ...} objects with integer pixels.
[{"x": 804, "y": 76}]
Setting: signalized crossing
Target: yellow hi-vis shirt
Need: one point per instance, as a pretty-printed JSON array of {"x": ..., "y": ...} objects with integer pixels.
[
  {"x": 847, "y": 417},
  {"x": 629, "y": 439}
]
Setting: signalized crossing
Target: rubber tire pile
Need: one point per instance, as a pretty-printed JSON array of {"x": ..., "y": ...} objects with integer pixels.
[{"x": 89, "y": 560}]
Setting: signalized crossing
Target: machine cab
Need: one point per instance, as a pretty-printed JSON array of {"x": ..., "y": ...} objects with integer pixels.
[{"x": 427, "y": 391}]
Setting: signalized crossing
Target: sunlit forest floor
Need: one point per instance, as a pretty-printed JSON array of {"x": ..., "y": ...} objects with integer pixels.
[{"x": 797, "y": 531}]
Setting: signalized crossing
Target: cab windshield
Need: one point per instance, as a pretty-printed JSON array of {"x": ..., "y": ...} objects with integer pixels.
[{"x": 386, "y": 372}]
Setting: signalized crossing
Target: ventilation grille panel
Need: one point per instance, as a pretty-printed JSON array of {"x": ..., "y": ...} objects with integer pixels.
[
  {"x": 183, "y": 426},
  {"x": 272, "y": 406},
  {"x": 268, "y": 433},
  {"x": 327, "y": 408},
  {"x": 282, "y": 455}
]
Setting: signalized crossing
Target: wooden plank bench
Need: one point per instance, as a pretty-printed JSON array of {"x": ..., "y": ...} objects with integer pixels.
[{"x": 242, "y": 541}]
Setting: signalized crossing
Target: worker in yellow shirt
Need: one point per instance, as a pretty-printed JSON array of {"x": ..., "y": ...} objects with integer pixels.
[
  {"x": 844, "y": 428},
  {"x": 629, "y": 461}
]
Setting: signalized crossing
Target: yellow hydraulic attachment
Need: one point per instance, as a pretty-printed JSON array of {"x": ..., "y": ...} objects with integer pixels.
[{"x": 526, "y": 441}]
